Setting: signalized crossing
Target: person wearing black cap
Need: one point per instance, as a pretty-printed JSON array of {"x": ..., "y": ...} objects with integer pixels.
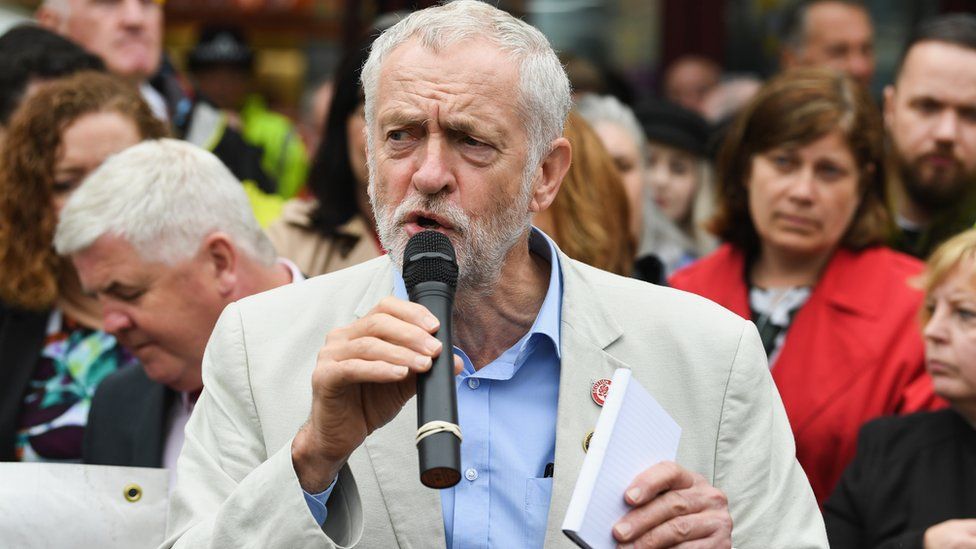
[
  {"x": 30, "y": 54},
  {"x": 680, "y": 180},
  {"x": 222, "y": 67}
]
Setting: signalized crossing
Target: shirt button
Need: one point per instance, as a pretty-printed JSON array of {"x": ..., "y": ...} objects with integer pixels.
[
  {"x": 471, "y": 474},
  {"x": 474, "y": 382}
]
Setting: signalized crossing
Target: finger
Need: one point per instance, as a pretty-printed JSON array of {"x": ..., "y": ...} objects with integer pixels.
[
  {"x": 375, "y": 349},
  {"x": 659, "y": 478},
  {"x": 682, "y": 529},
  {"x": 458, "y": 365},
  {"x": 336, "y": 376},
  {"x": 661, "y": 509},
  {"x": 414, "y": 313},
  {"x": 391, "y": 329}
]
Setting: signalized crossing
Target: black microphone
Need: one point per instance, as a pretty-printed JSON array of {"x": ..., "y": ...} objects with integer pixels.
[{"x": 430, "y": 274}]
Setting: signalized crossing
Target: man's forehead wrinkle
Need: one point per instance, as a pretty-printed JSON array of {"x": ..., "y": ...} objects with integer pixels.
[{"x": 452, "y": 100}]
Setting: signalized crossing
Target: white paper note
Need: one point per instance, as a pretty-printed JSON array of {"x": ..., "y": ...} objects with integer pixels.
[{"x": 632, "y": 433}]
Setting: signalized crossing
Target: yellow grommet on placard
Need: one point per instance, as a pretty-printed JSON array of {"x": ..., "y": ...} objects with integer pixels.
[{"x": 132, "y": 493}]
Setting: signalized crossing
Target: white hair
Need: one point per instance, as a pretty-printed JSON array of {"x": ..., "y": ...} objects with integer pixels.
[
  {"x": 600, "y": 109},
  {"x": 543, "y": 93},
  {"x": 164, "y": 197}
]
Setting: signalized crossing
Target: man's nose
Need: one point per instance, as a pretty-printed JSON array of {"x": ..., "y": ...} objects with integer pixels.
[
  {"x": 133, "y": 12},
  {"x": 947, "y": 126},
  {"x": 861, "y": 66},
  {"x": 434, "y": 174},
  {"x": 115, "y": 322}
]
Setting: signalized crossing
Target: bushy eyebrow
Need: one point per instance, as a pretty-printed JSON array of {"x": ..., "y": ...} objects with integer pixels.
[
  {"x": 461, "y": 123},
  {"x": 402, "y": 118}
]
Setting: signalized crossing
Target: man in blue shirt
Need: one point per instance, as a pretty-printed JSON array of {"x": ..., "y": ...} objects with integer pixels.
[{"x": 464, "y": 113}]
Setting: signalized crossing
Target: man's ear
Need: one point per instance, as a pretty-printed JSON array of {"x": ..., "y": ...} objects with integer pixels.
[
  {"x": 49, "y": 18},
  {"x": 787, "y": 59},
  {"x": 889, "y": 106},
  {"x": 551, "y": 172},
  {"x": 219, "y": 253}
]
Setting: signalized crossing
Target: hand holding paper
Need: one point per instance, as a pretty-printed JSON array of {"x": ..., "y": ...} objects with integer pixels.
[
  {"x": 671, "y": 505},
  {"x": 630, "y": 490}
]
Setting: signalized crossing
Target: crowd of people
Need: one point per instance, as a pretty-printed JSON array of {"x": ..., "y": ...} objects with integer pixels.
[{"x": 788, "y": 266}]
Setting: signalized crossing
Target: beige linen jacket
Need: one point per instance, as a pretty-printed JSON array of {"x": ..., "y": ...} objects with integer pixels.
[{"x": 705, "y": 365}]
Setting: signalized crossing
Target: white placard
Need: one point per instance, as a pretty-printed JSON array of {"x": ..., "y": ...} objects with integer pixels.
[{"x": 81, "y": 506}]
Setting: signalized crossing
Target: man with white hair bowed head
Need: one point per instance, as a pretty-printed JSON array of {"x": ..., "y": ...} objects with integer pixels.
[
  {"x": 163, "y": 234},
  {"x": 304, "y": 434}
]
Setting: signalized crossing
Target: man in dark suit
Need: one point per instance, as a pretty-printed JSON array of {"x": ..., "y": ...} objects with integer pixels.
[{"x": 163, "y": 235}]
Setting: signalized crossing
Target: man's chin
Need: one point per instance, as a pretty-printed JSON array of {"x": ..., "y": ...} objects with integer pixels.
[
  {"x": 936, "y": 189},
  {"x": 136, "y": 71}
]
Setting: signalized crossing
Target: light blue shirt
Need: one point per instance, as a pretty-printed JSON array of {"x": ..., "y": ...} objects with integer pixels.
[{"x": 507, "y": 413}]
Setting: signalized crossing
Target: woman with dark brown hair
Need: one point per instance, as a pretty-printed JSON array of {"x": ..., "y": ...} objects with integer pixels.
[
  {"x": 52, "y": 351},
  {"x": 590, "y": 217},
  {"x": 802, "y": 216}
]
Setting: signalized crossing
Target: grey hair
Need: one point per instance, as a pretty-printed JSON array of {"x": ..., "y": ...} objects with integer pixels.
[
  {"x": 543, "y": 94},
  {"x": 598, "y": 109},
  {"x": 62, "y": 7},
  {"x": 164, "y": 197}
]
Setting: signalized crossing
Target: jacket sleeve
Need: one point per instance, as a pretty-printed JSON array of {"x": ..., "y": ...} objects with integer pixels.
[
  {"x": 770, "y": 499},
  {"x": 232, "y": 490}
]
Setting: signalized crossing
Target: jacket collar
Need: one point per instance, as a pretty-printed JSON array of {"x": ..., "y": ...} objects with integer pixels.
[{"x": 866, "y": 300}]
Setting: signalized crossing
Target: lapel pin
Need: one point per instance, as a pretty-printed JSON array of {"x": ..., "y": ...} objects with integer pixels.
[{"x": 599, "y": 391}]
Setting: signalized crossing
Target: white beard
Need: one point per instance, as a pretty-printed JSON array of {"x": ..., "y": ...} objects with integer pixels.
[{"x": 480, "y": 245}]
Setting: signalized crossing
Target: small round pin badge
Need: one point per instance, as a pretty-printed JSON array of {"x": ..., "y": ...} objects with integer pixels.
[{"x": 599, "y": 391}]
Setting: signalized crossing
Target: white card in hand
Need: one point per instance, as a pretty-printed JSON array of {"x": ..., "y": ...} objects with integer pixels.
[{"x": 633, "y": 433}]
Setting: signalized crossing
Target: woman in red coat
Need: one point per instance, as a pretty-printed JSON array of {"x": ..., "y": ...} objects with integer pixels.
[{"x": 802, "y": 214}]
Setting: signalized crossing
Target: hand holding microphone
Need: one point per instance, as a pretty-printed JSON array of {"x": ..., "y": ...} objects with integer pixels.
[{"x": 365, "y": 372}]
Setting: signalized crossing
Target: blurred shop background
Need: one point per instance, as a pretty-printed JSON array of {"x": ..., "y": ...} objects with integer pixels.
[{"x": 296, "y": 44}]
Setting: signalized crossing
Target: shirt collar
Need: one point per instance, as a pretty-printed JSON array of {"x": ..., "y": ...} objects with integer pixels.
[
  {"x": 548, "y": 319},
  {"x": 296, "y": 273}
]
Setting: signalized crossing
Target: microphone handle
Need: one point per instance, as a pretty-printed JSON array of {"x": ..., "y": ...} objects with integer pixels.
[{"x": 440, "y": 453}]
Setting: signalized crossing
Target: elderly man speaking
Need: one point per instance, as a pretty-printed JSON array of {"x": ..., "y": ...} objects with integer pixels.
[{"x": 304, "y": 434}]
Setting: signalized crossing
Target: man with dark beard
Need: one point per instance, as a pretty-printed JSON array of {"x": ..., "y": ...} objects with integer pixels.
[
  {"x": 296, "y": 443},
  {"x": 930, "y": 113}
]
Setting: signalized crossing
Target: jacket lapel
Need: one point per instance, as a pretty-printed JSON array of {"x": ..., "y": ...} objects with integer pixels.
[
  {"x": 587, "y": 329},
  {"x": 415, "y": 511}
]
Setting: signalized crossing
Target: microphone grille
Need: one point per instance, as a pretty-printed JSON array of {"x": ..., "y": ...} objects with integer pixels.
[{"x": 429, "y": 257}]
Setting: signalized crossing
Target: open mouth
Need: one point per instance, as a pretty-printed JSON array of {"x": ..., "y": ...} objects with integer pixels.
[{"x": 427, "y": 221}]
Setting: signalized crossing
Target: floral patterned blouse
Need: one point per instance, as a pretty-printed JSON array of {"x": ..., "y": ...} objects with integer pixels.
[{"x": 55, "y": 407}]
